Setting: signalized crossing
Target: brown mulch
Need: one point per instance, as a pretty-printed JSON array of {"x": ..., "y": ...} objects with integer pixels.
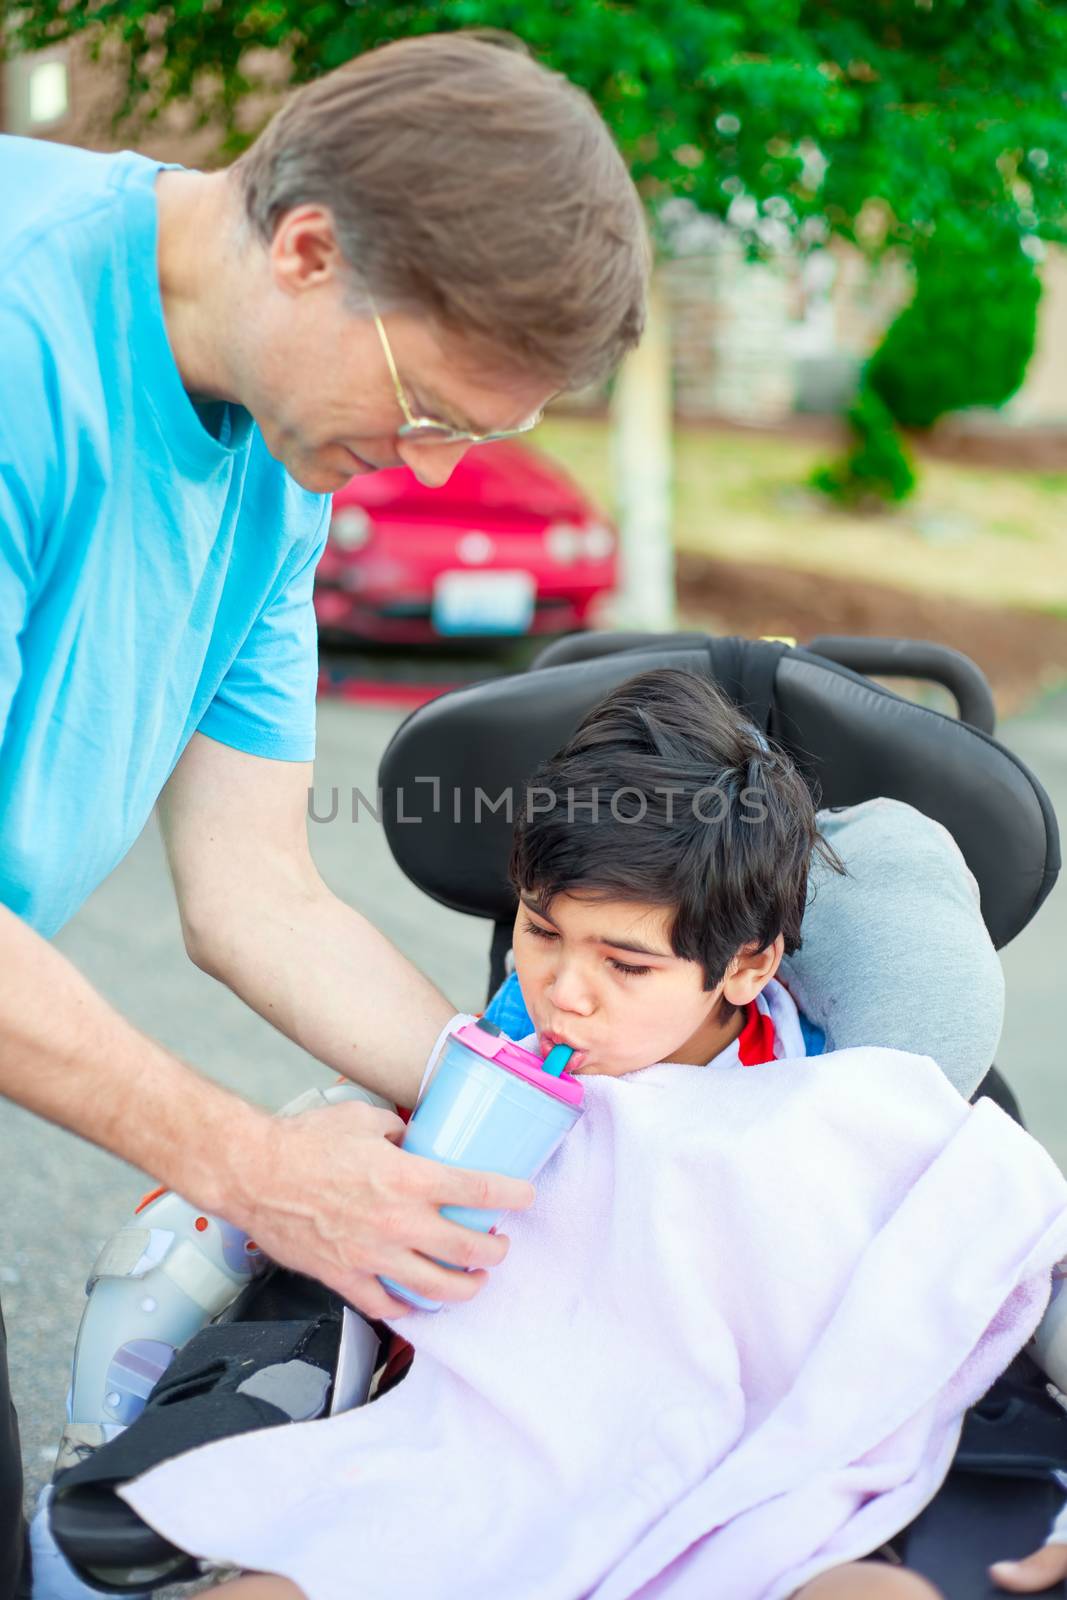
[
  {"x": 969, "y": 439},
  {"x": 964, "y": 439},
  {"x": 1020, "y": 652}
]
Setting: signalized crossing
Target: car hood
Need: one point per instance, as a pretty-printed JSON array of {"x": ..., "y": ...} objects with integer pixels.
[{"x": 505, "y": 478}]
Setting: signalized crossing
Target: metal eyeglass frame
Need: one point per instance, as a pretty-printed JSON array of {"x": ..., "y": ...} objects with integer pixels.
[{"x": 430, "y": 430}]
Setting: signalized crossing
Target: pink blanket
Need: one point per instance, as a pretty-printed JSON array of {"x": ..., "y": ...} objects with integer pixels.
[{"x": 731, "y": 1346}]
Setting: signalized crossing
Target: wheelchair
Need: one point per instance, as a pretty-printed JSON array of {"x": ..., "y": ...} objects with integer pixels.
[{"x": 854, "y": 739}]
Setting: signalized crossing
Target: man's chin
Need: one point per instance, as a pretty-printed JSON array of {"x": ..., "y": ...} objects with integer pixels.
[
  {"x": 318, "y": 480},
  {"x": 322, "y": 477},
  {"x": 324, "y": 471}
]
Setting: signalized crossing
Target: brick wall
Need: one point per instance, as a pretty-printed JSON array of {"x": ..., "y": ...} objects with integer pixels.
[
  {"x": 94, "y": 92},
  {"x": 729, "y": 322}
]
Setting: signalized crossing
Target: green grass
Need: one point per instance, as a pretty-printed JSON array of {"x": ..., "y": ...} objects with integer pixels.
[{"x": 995, "y": 537}]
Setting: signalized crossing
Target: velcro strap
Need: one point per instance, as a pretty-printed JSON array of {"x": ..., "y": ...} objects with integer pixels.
[
  {"x": 127, "y": 1254},
  {"x": 205, "y": 1283},
  {"x": 198, "y": 1399}
]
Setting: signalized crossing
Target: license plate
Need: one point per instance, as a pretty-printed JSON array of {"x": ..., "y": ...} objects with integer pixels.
[{"x": 483, "y": 602}]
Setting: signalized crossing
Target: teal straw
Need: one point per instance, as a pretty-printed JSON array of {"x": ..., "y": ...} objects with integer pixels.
[{"x": 557, "y": 1058}]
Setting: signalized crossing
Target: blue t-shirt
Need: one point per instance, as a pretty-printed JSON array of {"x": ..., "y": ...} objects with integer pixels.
[{"x": 155, "y": 577}]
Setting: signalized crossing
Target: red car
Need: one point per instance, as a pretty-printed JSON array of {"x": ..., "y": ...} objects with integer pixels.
[{"x": 509, "y": 545}]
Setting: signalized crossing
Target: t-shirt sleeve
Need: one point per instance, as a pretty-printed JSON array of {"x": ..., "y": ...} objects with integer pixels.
[
  {"x": 265, "y": 705},
  {"x": 507, "y": 1009}
]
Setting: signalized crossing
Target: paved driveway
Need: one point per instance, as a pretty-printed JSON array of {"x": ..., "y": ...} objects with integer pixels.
[{"x": 64, "y": 1196}]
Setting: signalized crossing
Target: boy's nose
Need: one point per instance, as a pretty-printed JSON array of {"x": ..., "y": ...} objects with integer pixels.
[{"x": 568, "y": 992}]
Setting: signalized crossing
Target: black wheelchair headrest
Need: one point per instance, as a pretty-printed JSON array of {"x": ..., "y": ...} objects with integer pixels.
[{"x": 454, "y": 775}]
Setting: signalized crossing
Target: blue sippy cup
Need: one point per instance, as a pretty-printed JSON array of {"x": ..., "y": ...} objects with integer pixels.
[{"x": 490, "y": 1106}]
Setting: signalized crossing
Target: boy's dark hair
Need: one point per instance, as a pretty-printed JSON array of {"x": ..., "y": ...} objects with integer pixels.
[{"x": 666, "y": 793}]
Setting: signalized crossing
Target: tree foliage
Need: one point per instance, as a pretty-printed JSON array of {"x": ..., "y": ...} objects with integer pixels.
[
  {"x": 877, "y": 468},
  {"x": 883, "y": 120},
  {"x": 935, "y": 127},
  {"x": 966, "y": 338}
]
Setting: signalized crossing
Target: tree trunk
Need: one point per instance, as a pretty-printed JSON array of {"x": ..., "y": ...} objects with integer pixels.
[{"x": 641, "y": 449}]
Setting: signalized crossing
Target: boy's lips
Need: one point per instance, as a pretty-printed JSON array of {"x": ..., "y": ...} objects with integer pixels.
[{"x": 546, "y": 1040}]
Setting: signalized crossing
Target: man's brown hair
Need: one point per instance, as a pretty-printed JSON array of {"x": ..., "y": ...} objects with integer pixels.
[{"x": 468, "y": 182}]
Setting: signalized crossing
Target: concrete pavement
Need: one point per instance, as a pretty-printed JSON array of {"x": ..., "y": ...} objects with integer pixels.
[{"x": 63, "y": 1197}]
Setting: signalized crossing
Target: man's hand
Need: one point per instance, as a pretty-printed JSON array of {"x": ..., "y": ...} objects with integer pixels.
[
  {"x": 331, "y": 1196},
  {"x": 326, "y": 1192},
  {"x": 1033, "y": 1575}
]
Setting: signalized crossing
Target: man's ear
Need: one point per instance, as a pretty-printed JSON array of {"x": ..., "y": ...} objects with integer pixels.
[
  {"x": 751, "y": 970},
  {"x": 304, "y": 253}
]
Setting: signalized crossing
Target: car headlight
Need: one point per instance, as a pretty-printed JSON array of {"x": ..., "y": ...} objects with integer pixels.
[
  {"x": 599, "y": 541},
  {"x": 351, "y": 528},
  {"x": 475, "y": 549},
  {"x": 564, "y": 543}
]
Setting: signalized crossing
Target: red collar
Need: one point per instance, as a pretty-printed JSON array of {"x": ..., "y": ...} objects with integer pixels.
[{"x": 755, "y": 1042}]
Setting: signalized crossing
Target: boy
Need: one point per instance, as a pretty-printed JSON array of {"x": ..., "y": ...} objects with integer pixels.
[
  {"x": 658, "y": 1355},
  {"x": 705, "y": 816}
]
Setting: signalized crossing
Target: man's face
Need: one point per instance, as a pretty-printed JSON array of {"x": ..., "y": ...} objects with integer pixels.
[
  {"x": 585, "y": 984},
  {"x": 315, "y": 376}
]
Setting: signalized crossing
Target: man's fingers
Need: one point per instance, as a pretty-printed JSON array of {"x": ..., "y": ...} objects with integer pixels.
[
  {"x": 394, "y": 1129},
  {"x": 378, "y": 1212},
  {"x": 463, "y": 1247},
  {"x": 481, "y": 1191},
  {"x": 371, "y": 1298},
  {"x": 1037, "y": 1572},
  {"x": 435, "y": 1282},
  {"x": 373, "y": 1119},
  {"x": 444, "y": 1185}
]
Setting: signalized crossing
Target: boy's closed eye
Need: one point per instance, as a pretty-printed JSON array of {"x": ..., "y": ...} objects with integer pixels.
[{"x": 620, "y": 966}]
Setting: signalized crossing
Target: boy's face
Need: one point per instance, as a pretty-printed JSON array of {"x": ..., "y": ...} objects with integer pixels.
[{"x": 599, "y": 974}]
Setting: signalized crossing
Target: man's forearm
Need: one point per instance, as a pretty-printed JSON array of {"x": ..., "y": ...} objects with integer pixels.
[
  {"x": 326, "y": 1193},
  {"x": 331, "y": 982},
  {"x": 67, "y": 1055}
]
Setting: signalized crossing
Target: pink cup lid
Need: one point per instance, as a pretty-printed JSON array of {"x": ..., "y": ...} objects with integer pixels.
[{"x": 523, "y": 1063}]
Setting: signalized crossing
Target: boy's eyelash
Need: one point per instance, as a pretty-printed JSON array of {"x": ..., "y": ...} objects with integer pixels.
[
  {"x": 631, "y": 972},
  {"x": 620, "y": 966}
]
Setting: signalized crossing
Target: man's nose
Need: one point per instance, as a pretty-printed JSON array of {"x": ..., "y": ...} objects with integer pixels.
[{"x": 432, "y": 464}]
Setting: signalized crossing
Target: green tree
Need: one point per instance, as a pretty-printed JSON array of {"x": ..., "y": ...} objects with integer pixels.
[
  {"x": 933, "y": 127},
  {"x": 967, "y": 337},
  {"x": 964, "y": 339},
  {"x": 877, "y": 469},
  {"x": 883, "y": 120}
]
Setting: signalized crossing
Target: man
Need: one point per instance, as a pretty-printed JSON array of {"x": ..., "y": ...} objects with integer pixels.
[{"x": 423, "y": 247}]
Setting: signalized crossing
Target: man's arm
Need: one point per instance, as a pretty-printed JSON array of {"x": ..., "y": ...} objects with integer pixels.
[
  {"x": 257, "y": 916},
  {"x": 65, "y": 1054},
  {"x": 327, "y": 1192}
]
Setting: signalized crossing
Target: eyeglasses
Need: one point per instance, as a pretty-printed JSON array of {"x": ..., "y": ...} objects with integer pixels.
[{"x": 430, "y": 430}]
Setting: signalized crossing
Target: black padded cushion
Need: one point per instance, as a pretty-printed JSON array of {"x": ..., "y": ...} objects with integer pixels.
[{"x": 457, "y": 757}]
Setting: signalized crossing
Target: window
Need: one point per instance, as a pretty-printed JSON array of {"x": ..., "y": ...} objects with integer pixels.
[{"x": 47, "y": 94}]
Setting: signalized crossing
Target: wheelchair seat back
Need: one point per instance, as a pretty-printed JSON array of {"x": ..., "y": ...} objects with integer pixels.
[{"x": 454, "y": 776}]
